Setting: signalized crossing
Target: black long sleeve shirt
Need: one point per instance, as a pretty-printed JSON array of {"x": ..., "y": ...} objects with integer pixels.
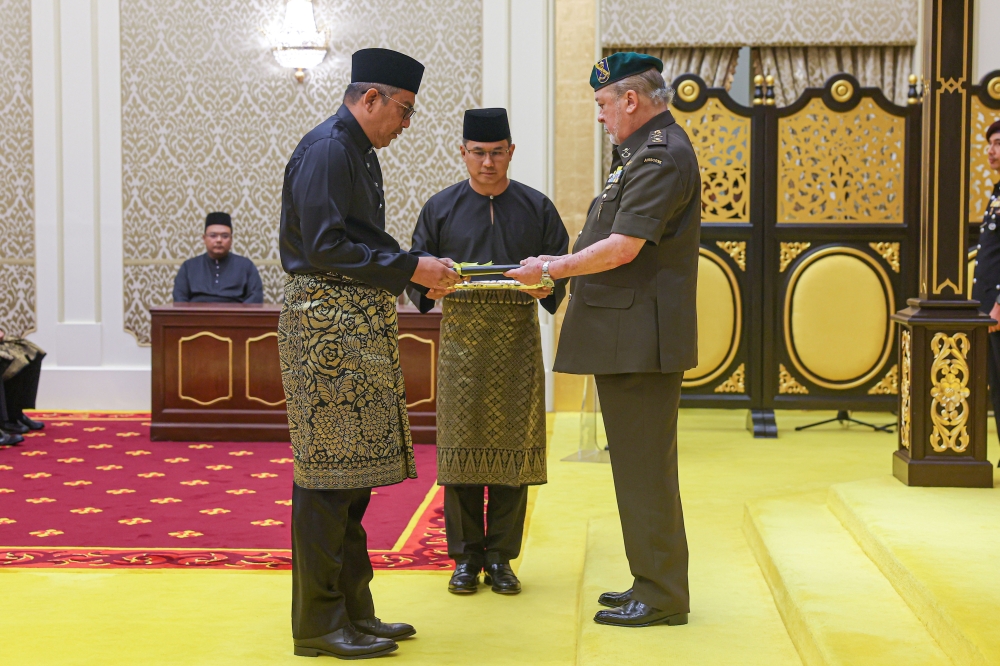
[
  {"x": 231, "y": 279},
  {"x": 333, "y": 209},
  {"x": 463, "y": 225}
]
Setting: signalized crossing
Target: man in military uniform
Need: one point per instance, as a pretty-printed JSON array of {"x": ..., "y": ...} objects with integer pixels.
[
  {"x": 631, "y": 322},
  {"x": 986, "y": 285},
  {"x": 339, "y": 354}
]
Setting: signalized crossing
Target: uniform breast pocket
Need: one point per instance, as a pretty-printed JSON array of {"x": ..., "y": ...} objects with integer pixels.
[{"x": 608, "y": 206}]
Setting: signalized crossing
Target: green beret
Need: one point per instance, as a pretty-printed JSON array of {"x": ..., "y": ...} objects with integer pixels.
[{"x": 617, "y": 66}]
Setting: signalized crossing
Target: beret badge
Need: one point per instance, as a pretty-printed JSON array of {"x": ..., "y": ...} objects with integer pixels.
[{"x": 603, "y": 71}]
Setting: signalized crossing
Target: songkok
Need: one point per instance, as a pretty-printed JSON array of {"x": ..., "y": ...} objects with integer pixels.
[
  {"x": 391, "y": 68},
  {"x": 218, "y": 218},
  {"x": 486, "y": 125},
  {"x": 618, "y": 66},
  {"x": 992, "y": 129}
]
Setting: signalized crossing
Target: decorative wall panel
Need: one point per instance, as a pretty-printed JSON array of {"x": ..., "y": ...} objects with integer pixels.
[
  {"x": 757, "y": 22},
  {"x": 722, "y": 141},
  {"x": 981, "y": 175},
  {"x": 209, "y": 120},
  {"x": 841, "y": 167},
  {"x": 17, "y": 181}
]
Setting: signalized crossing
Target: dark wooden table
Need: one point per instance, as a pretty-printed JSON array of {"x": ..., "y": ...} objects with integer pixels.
[{"x": 216, "y": 375}]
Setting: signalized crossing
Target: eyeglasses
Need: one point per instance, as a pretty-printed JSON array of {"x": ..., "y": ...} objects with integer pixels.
[
  {"x": 495, "y": 155},
  {"x": 408, "y": 112}
]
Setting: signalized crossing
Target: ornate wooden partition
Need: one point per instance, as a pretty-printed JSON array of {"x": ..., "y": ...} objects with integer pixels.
[
  {"x": 809, "y": 242},
  {"x": 985, "y": 110}
]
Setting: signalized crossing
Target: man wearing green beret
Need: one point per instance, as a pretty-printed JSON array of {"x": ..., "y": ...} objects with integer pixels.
[{"x": 632, "y": 322}]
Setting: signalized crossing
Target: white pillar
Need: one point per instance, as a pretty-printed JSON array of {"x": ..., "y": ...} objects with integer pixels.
[
  {"x": 91, "y": 362},
  {"x": 519, "y": 75}
]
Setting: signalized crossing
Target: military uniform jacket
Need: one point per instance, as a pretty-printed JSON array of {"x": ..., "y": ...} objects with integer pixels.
[
  {"x": 986, "y": 286},
  {"x": 642, "y": 316}
]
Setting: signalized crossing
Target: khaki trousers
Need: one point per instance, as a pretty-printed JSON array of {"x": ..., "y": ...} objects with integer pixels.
[{"x": 640, "y": 416}]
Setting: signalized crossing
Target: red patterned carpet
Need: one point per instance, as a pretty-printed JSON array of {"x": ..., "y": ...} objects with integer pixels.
[{"x": 92, "y": 490}]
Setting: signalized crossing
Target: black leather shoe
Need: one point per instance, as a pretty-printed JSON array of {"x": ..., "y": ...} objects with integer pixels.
[
  {"x": 376, "y": 627},
  {"x": 10, "y": 440},
  {"x": 346, "y": 643},
  {"x": 637, "y": 614},
  {"x": 465, "y": 580},
  {"x": 615, "y": 599},
  {"x": 14, "y": 428},
  {"x": 30, "y": 423},
  {"x": 502, "y": 579}
]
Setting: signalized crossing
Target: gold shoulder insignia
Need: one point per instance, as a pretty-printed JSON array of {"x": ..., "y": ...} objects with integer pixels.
[{"x": 656, "y": 136}]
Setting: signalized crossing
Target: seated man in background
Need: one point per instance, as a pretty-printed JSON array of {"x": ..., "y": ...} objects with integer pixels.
[
  {"x": 20, "y": 367},
  {"x": 218, "y": 276}
]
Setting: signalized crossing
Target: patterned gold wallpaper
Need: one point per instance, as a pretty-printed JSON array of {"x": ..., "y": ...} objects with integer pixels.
[
  {"x": 17, "y": 181},
  {"x": 209, "y": 120},
  {"x": 758, "y": 22}
]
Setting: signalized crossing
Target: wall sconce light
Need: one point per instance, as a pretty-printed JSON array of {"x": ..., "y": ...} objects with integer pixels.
[{"x": 298, "y": 45}]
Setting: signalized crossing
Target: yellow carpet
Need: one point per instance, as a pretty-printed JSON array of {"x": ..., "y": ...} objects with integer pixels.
[
  {"x": 940, "y": 548},
  {"x": 838, "y": 607},
  {"x": 573, "y": 552}
]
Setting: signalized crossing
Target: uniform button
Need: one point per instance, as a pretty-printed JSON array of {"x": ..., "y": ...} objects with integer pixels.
[
  {"x": 973, "y": 280},
  {"x": 604, "y": 196}
]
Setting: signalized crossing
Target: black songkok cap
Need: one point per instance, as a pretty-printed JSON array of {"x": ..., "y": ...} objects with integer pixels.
[
  {"x": 486, "y": 125},
  {"x": 218, "y": 218},
  {"x": 992, "y": 129},
  {"x": 390, "y": 68}
]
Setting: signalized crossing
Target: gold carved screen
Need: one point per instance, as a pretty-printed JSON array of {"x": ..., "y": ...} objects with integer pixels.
[
  {"x": 981, "y": 176},
  {"x": 17, "y": 175},
  {"x": 209, "y": 120},
  {"x": 721, "y": 140},
  {"x": 841, "y": 167}
]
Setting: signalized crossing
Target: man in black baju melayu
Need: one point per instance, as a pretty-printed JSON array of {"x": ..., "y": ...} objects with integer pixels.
[
  {"x": 218, "y": 276},
  {"x": 339, "y": 354},
  {"x": 491, "y": 381}
]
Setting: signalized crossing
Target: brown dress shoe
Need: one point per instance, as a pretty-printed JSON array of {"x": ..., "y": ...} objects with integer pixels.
[{"x": 346, "y": 643}]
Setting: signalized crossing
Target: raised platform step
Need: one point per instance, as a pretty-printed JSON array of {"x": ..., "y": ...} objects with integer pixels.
[
  {"x": 940, "y": 548},
  {"x": 836, "y": 604}
]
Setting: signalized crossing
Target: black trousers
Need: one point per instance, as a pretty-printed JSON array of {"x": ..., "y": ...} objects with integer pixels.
[
  {"x": 330, "y": 566},
  {"x": 640, "y": 416},
  {"x": 19, "y": 392},
  {"x": 993, "y": 373},
  {"x": 499, "y": 541}
]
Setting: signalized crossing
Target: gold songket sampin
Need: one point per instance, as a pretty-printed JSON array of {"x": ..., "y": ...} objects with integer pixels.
[{"x": 470, "y": 270}]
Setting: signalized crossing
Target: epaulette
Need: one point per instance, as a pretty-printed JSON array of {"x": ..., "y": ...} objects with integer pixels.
[{"x": 657, "y": 138}]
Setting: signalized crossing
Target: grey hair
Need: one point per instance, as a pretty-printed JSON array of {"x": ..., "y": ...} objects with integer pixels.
[
  {"x": 356, "y": 91},
  {"x": 649, "y": 84}
]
